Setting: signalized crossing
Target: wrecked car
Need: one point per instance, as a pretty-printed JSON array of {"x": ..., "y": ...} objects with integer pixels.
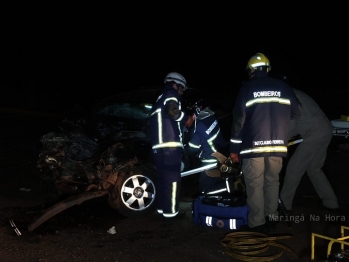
[{"x": 107, "y": 154}]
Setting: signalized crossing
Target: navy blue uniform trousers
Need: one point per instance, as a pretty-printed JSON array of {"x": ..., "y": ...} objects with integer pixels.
[{"x": 168, "y": 169}]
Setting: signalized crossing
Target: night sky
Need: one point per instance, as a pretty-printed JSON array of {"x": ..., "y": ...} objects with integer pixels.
[{"x": 52, "y": 62}]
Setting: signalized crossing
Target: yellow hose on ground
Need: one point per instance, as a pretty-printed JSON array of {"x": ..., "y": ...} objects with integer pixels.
[{"x": 246, "y": 245}]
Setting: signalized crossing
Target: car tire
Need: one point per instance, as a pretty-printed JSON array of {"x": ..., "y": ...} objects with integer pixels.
[{"x": 136, "y": 192}]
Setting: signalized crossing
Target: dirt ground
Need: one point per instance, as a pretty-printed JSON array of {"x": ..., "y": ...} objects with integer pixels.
[{"x": 81, "y": 232}]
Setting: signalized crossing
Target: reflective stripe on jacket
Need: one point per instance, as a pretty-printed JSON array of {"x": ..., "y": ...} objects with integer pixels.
[
  {"x": 166, "y": 131},
  {"x": 261, "y": 117},
  {"x": 206, "y": 137}
]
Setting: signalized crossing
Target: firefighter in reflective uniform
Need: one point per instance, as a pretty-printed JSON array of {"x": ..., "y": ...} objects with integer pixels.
[
  {"x": 165, "y": 131},
  {"x": 309, "y": 157},
  {"x": 206, "y": 138},
  {"x": 259, "y": 138}
]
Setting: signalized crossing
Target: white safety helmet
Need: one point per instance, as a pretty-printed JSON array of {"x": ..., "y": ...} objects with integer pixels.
[{"x": 177, "y": 78}]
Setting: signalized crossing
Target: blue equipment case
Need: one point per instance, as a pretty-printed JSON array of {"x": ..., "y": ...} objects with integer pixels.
[{"x": 223, "y": 212}]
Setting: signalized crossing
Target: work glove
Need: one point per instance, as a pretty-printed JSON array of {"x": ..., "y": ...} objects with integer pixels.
[
  {"x": 234, "y": 157},
  {"x": 190, "y": 120}
]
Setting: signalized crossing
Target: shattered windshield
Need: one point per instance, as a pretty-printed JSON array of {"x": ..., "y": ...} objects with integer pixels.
[
  {"x": 133, "y": 104},
  {"x": 126, "y": 110}
]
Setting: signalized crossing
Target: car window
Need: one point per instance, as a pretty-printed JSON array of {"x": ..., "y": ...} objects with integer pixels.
[{"x": 126, "y": 110}]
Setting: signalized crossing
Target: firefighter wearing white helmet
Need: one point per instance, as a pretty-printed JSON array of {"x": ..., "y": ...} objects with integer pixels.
[
  {"x": 167, "y": 121},
  {"x": 177, "y": 78},
  {"x": 259, "y": 137}
]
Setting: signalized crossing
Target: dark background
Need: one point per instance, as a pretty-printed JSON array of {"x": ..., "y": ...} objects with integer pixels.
[
  {"x": 53, "y": 57},
  {"x": 63, "y": 55}
]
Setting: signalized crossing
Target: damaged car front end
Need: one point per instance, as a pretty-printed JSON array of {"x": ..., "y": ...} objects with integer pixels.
[
  {"x": 107, "y": 154},
  {"x": 118, "y": 172}
]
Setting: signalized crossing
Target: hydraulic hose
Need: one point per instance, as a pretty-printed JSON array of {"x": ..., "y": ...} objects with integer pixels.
[{"x": 246, "y": 246}]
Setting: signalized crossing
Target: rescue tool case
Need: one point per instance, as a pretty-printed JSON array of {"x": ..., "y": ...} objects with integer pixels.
[{"x": 218, "y": 211}]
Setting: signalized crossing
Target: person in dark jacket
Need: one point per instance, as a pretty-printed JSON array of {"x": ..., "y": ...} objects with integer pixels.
[
  {"x": 259, "y": 138},
  {"x": 309, "y": 157},
  {"x": 166, "y": 124},
  {"x": 206, "y": 138}
]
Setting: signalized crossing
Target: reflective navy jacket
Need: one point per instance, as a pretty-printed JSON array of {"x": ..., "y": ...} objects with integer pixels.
[
  {"x": 261, "y": 117},
  {"x": 206, "y": 137},
  {"x": 166, "y": 130}
]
